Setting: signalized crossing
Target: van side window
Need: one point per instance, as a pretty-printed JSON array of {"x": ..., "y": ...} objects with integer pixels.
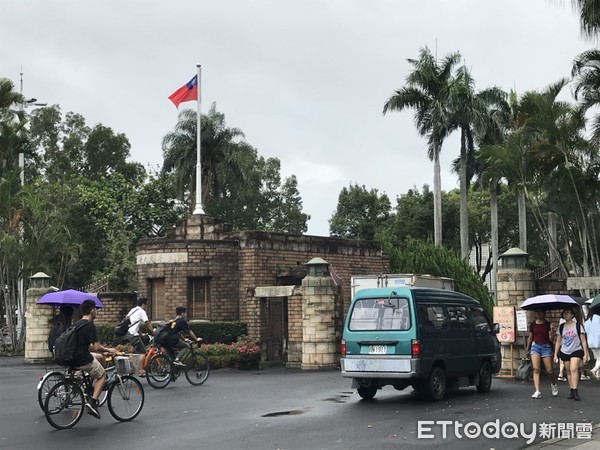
[
  {"x": 432, "y": 316},
  {"x": 374, "y": 314},
  {"x": 480, "y": 320},
  {"x": 458, "y": 316}
]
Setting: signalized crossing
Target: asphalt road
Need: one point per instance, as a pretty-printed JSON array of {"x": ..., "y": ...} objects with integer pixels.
[{"x": 286, "y": 409}]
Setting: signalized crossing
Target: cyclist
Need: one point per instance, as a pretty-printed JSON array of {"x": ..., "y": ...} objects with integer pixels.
[
  {"x": 179, "y": 328},
  {"x": 84, "y": 359},
  {"x": 138, "y": 317}
]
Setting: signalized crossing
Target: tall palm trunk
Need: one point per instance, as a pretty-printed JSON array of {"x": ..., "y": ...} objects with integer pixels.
[
  {"x": 494, "y": 228},
  {"x": 437, "y": 198},
  {"x": 464, "y": 212},
  {"x": 522, "y": 221}
]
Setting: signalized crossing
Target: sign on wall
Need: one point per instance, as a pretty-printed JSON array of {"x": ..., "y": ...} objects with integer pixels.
[
  {"x": 522, "y": 320},
  {"x": 505, "y": 317},
  {"x": 162, "y": 258}
]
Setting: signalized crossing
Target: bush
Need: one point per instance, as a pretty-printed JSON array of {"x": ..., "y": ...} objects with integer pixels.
[
  {"x": 425, "y": 258},
  {"x": 210, "y": 332}
]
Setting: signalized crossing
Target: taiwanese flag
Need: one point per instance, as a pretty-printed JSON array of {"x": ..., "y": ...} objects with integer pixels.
[{"x": 185, "y": 93}]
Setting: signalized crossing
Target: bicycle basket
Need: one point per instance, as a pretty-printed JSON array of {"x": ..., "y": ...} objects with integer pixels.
[{"x": 123, "y": 365}]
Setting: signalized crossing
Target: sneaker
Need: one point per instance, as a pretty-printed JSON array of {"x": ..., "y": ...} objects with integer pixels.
[
  {"x": 92, "y": 407},
  {"x": 178, "y": 363},
  {"x": 554, "y": 388},
  {"x": 537, "y": 394},
  {"x": 595, "y": 373},
  {"x": 561, "y": 378},
  {"x": 584, "y": 378}
]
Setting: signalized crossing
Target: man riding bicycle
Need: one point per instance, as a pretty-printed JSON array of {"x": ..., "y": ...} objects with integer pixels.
[
  {"x": 178, "y": 328},
  {"x": 86, "y": 340}
]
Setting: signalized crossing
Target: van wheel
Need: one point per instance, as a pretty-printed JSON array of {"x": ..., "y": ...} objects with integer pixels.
[
  {"x": 485, "y": 377},
  {"x": 367, "y": 392},
  {"x": 437, "y": 384}
]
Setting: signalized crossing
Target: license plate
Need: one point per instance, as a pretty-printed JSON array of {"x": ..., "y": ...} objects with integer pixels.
[{"x": 377, "y": 349}]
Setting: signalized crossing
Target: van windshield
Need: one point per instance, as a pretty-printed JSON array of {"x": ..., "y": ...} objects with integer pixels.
[{"x": 374, "y": 314}]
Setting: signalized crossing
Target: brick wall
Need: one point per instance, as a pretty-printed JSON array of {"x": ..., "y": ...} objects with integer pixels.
[
  {"x": 116, "y": 306},
  {"x": 236, "y": 263}
]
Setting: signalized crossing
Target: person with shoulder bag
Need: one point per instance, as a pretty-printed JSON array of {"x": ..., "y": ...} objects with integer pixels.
[
  {"x": 571, "y": 347},
  {"x": 138, "y": 317}
]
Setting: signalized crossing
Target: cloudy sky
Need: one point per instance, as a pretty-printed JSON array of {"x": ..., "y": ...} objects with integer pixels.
[{"x": 305, "y": 80}]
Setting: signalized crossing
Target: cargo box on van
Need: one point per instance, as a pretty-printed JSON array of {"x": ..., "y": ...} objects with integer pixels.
[{"x": 419, "y": 337}]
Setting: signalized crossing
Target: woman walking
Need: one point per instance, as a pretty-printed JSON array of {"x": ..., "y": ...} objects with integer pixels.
[
  {"x": 571, "y": 347},
  {"x": 592, "y": 328},
  {"x": 539, "y": 345}
]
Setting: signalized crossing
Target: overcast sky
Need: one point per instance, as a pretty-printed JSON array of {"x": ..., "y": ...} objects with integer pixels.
[{"x": 304, "y": 80}]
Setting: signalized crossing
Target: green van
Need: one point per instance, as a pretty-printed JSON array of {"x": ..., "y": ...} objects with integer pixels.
[{"x": 420, "y": 337}]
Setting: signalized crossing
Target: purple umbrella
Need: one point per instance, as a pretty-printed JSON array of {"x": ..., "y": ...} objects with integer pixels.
[
  {"x": 548, "y": 302},
  {"x": 70, "y": 297}
]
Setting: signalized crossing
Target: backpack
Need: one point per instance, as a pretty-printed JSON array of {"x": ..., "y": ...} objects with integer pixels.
[
  {"x": 125, "y": 324},
  {"x": 58, "y": 327},
  {"x": 64, "y": 346},
  {"x": 162, "y": 333}
]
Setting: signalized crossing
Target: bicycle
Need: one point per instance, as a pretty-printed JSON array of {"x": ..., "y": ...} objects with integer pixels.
[
  {"x": 50, "y": 378},
  {"x": 160, "y": 370},
  {"x": 66, "y": 400}
]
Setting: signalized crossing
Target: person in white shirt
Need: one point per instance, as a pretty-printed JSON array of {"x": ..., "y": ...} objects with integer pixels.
[{"x": 137, "y": 317}]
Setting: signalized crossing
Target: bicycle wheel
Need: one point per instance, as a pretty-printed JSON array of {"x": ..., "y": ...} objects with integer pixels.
[
  {"x": 158, "y": 371},
  {"x": 125, "y": 398},
  {"x": 64, "y": 404},
  {"x": 46, "y": 383},
  {"x": 197, "y": 368}
]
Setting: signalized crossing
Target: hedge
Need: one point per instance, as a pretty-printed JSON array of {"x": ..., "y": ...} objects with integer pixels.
[{"x": 210, "y": 332}]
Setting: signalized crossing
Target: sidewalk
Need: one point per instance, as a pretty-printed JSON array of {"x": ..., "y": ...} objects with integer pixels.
[{"x": 579, "y": 444}]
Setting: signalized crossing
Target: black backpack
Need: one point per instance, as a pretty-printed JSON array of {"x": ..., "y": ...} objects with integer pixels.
[
  {"x": 162, "y": 333},
  {"x": 121, "y": 329},
  {"x": 65, "y": 344},
  {"x": 59, "y": 326}
]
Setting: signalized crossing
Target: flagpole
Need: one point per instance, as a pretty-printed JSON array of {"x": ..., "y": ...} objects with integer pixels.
[{"x": 199, "y": 208}]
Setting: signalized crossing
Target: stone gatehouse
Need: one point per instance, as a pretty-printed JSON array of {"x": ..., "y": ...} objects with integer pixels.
[{"x": 221, "y": 275}]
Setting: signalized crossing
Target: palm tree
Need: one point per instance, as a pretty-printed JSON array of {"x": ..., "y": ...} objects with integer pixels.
[
  {"x": 218, "y": 146},
  {"x": 470, "y": 110},
  {"x": 589, "y": 16},
  {"x": 586, "y": 85},
  {"x": 427, "y": 91}
]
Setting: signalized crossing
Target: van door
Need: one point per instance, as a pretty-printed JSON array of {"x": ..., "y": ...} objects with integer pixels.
[
  {"x": 459, "y": 342},
  {"x": 483, "y": 338}
]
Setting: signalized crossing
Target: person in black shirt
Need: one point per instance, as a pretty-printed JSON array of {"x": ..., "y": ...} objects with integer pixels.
[
  {"x": 83, "y": 359},
  {"x": 179, "y": 328}
]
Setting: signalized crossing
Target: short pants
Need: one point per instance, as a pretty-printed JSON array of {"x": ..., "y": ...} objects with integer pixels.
[
  {"x": 544, "y": 350},
  {"x": 575, "y": 354},
  {"x": 94, "y": 368}
]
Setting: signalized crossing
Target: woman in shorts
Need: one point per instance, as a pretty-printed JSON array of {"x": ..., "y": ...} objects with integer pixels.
[
  {"x": 571, "y": 347},
  {"x": 539, "y": 345}
]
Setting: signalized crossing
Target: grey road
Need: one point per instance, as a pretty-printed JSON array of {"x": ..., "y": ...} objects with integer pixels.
[{"x": 289, "y": 409}]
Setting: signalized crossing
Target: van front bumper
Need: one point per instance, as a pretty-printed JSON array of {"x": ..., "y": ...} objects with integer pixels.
[{"x": 361, "y": 367}]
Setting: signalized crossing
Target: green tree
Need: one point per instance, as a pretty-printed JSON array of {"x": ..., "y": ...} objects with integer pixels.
[
  {"x": 427, "y": 91},
  {"x": 470, "y": 109},
  {"x": 425, "y": 258},
  {"x": 360, "y": 213},
  {"x": 218, "y": 145}
]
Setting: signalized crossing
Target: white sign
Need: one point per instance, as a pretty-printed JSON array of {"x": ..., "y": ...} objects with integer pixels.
[
  {"x": 162, "y": 258},
  {"x": 521, "y": 320}
]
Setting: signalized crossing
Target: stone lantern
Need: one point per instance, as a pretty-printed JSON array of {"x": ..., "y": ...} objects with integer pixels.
[
  {"x": 39, "y": 281},
  {"x": 317, "y": 267},
  {"x": 514, "y": 258}
]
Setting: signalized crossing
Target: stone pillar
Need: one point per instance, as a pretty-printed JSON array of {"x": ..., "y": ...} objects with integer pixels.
[
  {"x": 514, "y": 286},
  {"x": 37, "y": 327},
  {"x": 319, "y": 323}
]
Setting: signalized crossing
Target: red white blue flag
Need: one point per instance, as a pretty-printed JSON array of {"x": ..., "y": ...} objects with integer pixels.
[{"x": 185, "y": 93}]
